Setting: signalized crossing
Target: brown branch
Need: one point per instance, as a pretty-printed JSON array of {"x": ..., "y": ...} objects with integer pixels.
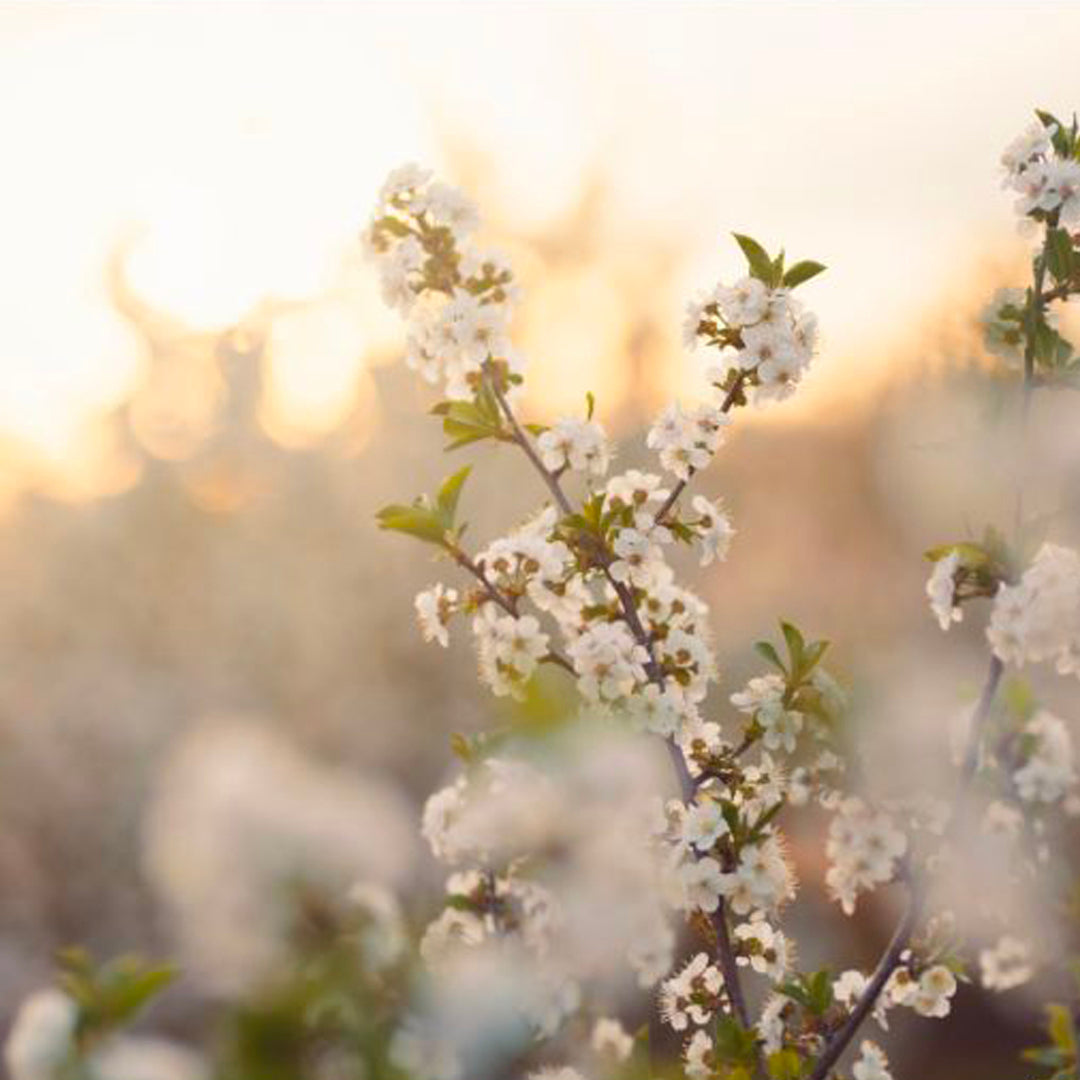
[
  {"x": 523, "y": 440},
  {"x": 507, "y": 603},
  {"x": 680, "y": 487},
  {"x": 632, "y": 618},
  {"x": 890, "y": 959}
]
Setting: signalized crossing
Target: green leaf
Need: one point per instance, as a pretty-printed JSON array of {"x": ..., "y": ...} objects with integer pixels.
[
  {"x": 801, "y": 272},
  {"x": 1061, "y": 1028},
  {"x": 757, "y": 259},
  {"x": 449, "y": 494},
  {"x": 1051, "y": 349},
  {"x": 1059, "y": 254},
  {"x": 768, "y": 650},
  {"x": 821, "y": 991},
  {"x": 784, "y": 1065},
  {"x": 113, "y": 994},
  {"x": 460, "y": 747},
  {"x": 812, "y": 656},
  {"x": 590, "y": 403},
  {"x": 418, "y": 521},
  {"x": 795, "y": 644},
  {"x": 467, "y": 422},
  {"x": 734, "y": 1043},
  {"x": 971, "y": 554},
  {"x": 1062, "y": 140}
]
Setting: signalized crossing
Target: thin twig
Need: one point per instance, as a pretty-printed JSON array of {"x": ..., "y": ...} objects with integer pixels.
[
  {"x": 890, "y": 959},
  {"x": 680, "y": 487},
  {"x": 729, "y": 966},
  {"x": 507, "y": 603},
  {"x": 655, "y": 673},
  {"x": 523, "y": 440},
  {"x": 868, "y": 999}
]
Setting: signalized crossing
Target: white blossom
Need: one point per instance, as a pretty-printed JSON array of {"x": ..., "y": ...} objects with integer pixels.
[
  {"x": 744, "y": 303},
  {"x": 688, "y": 997},
  {"x": 702, "y": 884},
  {"x": 575, "y": 444},
  {"x": 42, "y": 1036},
  {"x": 941, "y": 591},
  {"x": 608, "y": 661},
  {"x": 610, "y": 1039},
  {"x": 934, "y": 991},
  {"x": 698, "y": 1056},
  {"x": 871, "y": 1064},
  {"x": 434, "y": 607},
  {"x": 714, "y": 529},
  {"x": 1048, "y": 772},
  {"x": 1038, "y": 618},
  {"x": 1006, "y": 965},
  {"x": 863, "y": 849}
]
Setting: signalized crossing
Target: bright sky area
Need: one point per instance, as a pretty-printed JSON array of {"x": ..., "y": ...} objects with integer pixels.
[{"x": 237, "y": 148}]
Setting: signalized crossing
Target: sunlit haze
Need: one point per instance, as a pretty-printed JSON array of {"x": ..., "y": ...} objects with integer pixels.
[{"x": 234, "y": 151}]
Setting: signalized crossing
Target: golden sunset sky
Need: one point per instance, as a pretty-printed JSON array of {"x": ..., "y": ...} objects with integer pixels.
[{"x": 237, "y": 148}]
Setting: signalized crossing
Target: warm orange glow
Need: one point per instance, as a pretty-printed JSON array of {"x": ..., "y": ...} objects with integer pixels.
[{"x": 238, "y": 149}]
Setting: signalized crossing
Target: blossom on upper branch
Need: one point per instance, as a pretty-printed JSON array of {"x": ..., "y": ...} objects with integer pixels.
[
  {"x": 763, "y": 338},
  {"x": 1041, "y": 166},
  {"x": 1038, "y": 618}
]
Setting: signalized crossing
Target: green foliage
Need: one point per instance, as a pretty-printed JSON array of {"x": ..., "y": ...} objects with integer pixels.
[
  {"x": 757, "y": 259},
  {"x": 771, "y": 271},
  {"x": 803, "y": 657},
  {"x": 983, "y": 563},
  {"x": 1064, "y": 138},
  {"x": 434, "y": 523},
  {"x": 1060, "y": 1054},
  {"x": 734, "y": 1044},
  {"x": 1059, "y": 254},
  {"x": 466, "y": 422},
  {"x": 1019, "y": 698},
  {"x": 785, "y": 1065},
  {"x": 801, "y": 272},
  {"x": 812, "y": 990},
  {"x": 113, "y": 994}
]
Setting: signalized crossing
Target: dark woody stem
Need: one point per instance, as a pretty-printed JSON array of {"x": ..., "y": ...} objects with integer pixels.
[
  {"x": 725, "y": 951},
  {"x": 890, "y": 959},
  {"x": 507, "y": 603},
  {"x": 680, "y": 487}
]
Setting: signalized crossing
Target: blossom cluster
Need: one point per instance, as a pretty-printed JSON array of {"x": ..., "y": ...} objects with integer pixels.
[
  {"x": 1041, "y": 166},
  {"x": 755, "y": 333}
]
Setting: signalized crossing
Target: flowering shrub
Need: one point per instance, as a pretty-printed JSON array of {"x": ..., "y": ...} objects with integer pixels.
[{"x": 632, "y": 852}]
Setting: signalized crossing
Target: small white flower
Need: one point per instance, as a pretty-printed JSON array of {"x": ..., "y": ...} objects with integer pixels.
[
  {"x": 1033, "y": 144},
  {"x": 1048, "y": 772},
  {"x": 403, "y": 180},
  {"x": 1006, "y": 965},
  {"x": 702, "y": 883},
  {"x": 688, "y": 996},
  {"x": 933, "y": 992},
  {"x": 872, "y": 1063},
  {"x": 451, "y": 207},
  {"x": 575, "y": 444},
  {"x": 704, "y": 824},
  {"x": 699, "y": 1056},
  {"x": 434, "y": 607},
  {"x": 941, "y": 590},
  {"x": 863, "y": 849},
  {"x": 611, "y": 1039},
  {"x": 714, "y": 530},
  {"x": 744, "y": 303},
  {"x": 42, "y": 1036}
]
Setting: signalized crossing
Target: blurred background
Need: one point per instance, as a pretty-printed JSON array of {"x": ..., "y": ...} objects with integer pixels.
[{"x": 202, "y": 405}]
